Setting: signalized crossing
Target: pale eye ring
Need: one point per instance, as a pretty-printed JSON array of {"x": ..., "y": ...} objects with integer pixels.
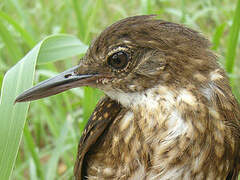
[{"x": 118, "y": 60}]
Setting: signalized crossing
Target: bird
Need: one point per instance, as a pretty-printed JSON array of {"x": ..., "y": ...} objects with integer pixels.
[{"x": 168, "y": 110}]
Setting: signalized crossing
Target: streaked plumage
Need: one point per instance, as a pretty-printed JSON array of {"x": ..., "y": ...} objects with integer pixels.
[{"x": 169, "y": 112}]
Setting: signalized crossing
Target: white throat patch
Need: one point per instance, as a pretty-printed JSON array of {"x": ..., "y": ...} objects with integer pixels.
[{"x": 148, "y": 98}]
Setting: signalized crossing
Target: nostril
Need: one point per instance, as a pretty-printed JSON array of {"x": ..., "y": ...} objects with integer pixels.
[{"x": 67, "y": 75}]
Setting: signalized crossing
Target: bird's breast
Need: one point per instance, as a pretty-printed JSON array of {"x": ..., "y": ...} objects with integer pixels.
[
  {"x": 133, "y": 143},
  {"x": 163, "y": 134}
]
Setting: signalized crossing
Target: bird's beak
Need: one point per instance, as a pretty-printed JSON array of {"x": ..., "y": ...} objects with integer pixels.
[{"x": 66, "y": 80}]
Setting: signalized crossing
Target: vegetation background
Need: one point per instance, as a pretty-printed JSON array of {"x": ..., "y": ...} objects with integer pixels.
[{"x": 51, "y": 135}]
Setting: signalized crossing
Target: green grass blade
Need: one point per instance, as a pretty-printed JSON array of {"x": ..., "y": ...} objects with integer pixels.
[
  {"x": 13, "y": 116},
  {"x": 24, "y": 34},
  {"x": 14, "y": 51},
  {"x": 59, "y": 149},
  {"x": 58, "y": 46},
  {"x": 32, "y": 148},
  {"x": 88, "y": 104},
  {"x": 233, "y": 40},
  {"x": 217, "y": 36},
  {"x": 32, "y": 169},
  {"x": 146, "y": 6},
  {"x": 24, "y": 15},
  {"x": 19, "y": 78},
  {"x": 91, "y": 16},
  {"x": 80, "y": 21}
]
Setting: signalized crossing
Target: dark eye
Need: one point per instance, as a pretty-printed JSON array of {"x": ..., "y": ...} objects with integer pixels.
[{"x": 118, "y": 60}]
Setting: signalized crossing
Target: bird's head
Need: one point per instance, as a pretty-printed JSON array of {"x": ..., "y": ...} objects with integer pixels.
[{"x": 133, "y": 55}]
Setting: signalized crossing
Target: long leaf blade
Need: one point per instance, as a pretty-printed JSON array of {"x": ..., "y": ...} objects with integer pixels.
[
  {"x": 233, "y": 39},
  {"x": 19, "y": 78}
]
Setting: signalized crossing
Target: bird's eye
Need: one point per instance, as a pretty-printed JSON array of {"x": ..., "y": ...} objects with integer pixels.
[{"x": 118, "y": 60}]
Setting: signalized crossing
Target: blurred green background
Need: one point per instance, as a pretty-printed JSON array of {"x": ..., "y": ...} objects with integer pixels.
[{"x": 55, "y": 123}]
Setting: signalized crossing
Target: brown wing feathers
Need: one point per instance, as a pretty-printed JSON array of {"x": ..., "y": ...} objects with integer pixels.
[{"x": 104, "y": 113}]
